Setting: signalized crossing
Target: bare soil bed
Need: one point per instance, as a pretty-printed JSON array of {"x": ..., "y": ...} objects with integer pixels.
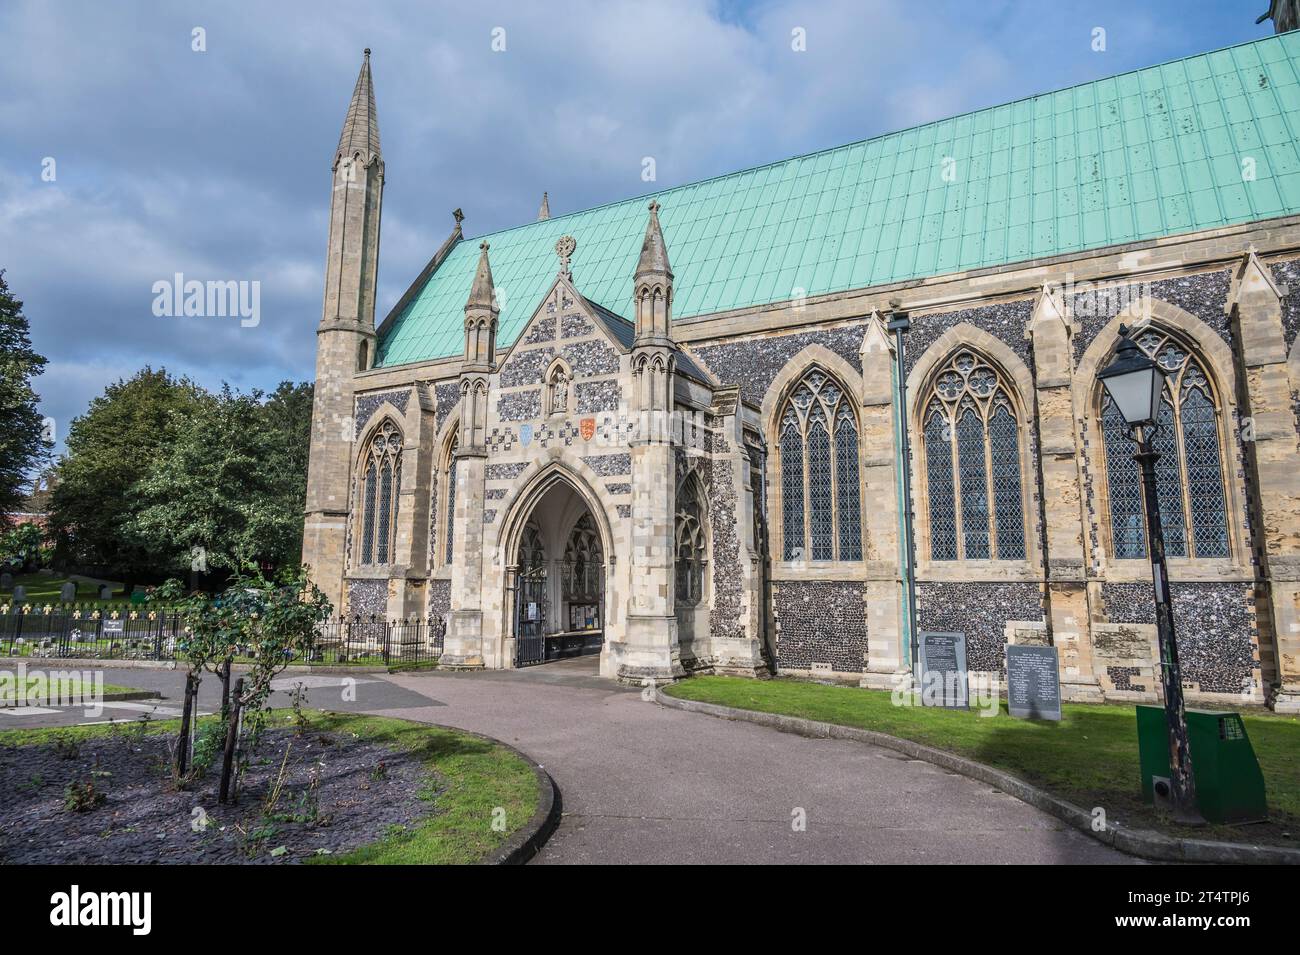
[{"x": 337, "y": 792}]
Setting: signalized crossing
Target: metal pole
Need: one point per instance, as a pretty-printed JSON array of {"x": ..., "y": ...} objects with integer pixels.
[
  {"x": 898, "y": 324},
  {"x": 1181, "y": 780}
]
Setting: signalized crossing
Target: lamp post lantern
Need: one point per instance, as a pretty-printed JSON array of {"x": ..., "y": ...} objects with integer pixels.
[{"x": 1136, "y": 384}]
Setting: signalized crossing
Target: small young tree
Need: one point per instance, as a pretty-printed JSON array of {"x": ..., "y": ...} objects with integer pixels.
[
  {"x": 279, "y": 621},
  {"x": 209, "y": 642}
]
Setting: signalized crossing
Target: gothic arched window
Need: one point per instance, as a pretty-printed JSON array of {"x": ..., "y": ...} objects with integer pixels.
[
  {"x": 971, "y": 437},
  {"x": 450, "y": 523},
  {"x": 821, "y": 495},
  {"x": 584, "y": 564},
  {"x": 689, "y": 536},
  {"x": 380, "y": 483},
  {"x": 1189, "y": 474}
]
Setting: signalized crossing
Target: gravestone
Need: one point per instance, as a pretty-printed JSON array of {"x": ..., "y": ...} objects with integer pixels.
[
  {"x": 105, "y": 592},
  {"x": 6, "y": 580},
  {"x": 1033, "y": 682},
  {"x": 20, "y": 594},
  {"x": 943, "y": 670},
  {"x": 68, "y": 592}
]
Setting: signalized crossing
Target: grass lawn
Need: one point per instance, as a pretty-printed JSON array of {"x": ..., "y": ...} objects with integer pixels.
[
  {"x": 38, "y": 689},
  {"x": 471, "y": 782},
  {"x": 1089, "y": 758},
  {"x": 44, "y": 587}
]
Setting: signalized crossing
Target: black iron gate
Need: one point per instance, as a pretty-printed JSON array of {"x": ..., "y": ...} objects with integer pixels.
[{"x": 530, "y": 600}]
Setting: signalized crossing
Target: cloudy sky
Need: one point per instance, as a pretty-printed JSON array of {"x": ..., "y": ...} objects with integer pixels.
[{"x": 215, "y": 163}]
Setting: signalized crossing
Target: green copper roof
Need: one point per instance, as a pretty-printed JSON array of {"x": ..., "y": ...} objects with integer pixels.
[{"x": 1151, "y": 153}]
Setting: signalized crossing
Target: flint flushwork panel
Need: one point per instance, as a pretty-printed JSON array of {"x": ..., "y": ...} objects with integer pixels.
[
  {"x": 820, "y": 622},
  {"x": 1214, "y": 623},
  {"x": 367, "y": 405},
  {"x": 1202, "y": 295},
  {"x": 594, "y": 396},
  {"x": 754, "y": 363},
  {"x": 520, "y": 405},
  {"x": 543, "y": 330},
  {"x": 1005, "y": 321},
  {"x": 367, "y": 598},
  {"x": 979, "y": 610},
  {"x": 447, "y": 395},
  {"x": 725, "y": 617}
]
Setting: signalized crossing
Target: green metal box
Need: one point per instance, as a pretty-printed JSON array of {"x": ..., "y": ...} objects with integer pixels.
[{"x": 1229, "y": 784}]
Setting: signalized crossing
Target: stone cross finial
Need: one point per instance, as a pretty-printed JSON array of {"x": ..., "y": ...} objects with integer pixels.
[{"x": 564, "y": 249}]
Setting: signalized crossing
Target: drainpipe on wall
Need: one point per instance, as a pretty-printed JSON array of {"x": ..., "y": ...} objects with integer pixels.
[{"x": 899, "y": 324}]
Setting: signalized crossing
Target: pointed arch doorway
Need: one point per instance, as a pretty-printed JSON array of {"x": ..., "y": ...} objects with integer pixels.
[{"x": 559, "y": 580}]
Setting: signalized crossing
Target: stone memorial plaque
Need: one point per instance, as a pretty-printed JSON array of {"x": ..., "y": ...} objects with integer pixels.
[
  {"x": 1033, "y": 682},
  {"x": 943, "y": 670},
  {"x": 68, "y": 592}
]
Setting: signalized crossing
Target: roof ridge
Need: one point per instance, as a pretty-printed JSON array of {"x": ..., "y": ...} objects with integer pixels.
[{"x": 885, "y": 135}]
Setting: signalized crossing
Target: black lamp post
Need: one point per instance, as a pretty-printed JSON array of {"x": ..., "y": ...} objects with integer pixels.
[
  {"x": 1136, "y": 384},
  {"x": 899, "y": 323}
]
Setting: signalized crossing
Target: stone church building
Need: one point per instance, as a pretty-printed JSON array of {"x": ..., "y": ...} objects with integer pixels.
[{"x": 676, "y": 431}]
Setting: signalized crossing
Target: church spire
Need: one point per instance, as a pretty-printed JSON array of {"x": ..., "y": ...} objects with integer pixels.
[
  {"x": 653, "y": 286},
  {"x": 481, "y": 317},
  {"x": 361, "y": 127},
  {"x": 482, "y": 295},
  {"x": 654, "y": 254},
  {"x": 545, "y": 211}
]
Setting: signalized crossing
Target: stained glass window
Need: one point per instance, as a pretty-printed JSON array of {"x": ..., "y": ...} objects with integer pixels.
[
  {"x": 972, "y": 464},
  {"x": 1168, "y": 484},
  {"x": 1204, "y": 473},
  {"x": 943, "y": 504},
  {"x": 792, "y": 490},
  {"x": 383, "y": 469},
  {"x": 451, "y": 504},
  {"x": 368, "y": 517},
  {"x": 689, "y": 564},
  {"x": 821, "y": 510},
  {"x": 1189, "y": 473},
  {"x": 846, "y": 485},
  {"x": 1004, "y": 453},
  {"x": 974, "y": 485},
  {"x": 819, "y": 491},
  {"x": 584, "y": 563},
  {"x": 385, "y": 509}
]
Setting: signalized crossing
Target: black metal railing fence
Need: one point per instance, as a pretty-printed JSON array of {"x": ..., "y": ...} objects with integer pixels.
[{"x": 130, "y": 632}]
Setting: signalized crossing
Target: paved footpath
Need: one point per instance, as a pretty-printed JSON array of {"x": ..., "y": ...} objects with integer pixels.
[{"x": 641, "y": 783}]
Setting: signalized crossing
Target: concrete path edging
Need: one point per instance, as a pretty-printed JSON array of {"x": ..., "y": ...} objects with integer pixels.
[
  {"x": 1138, "y": 842},
  {"x": 528, "y": 841},
  {"x": 106, "y": 698}
]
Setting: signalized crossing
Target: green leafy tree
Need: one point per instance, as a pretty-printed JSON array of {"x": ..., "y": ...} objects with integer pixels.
[
  {"x": 23, "y": 547},
  {"x": 110, "y": 449},
  {"x": 231, "y": 485},
  {"x": 23, "y": 444},
  {"x": 287, "y": 417}
]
